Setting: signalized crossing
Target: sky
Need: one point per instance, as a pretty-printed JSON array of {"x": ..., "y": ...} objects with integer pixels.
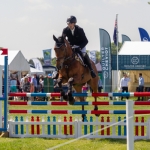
[{"x": 29, "y": 25}]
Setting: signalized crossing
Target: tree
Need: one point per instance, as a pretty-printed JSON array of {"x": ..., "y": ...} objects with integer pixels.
[
  {"x": 53, "y": 61},
  {"x": 114, "y": 48},
  {"x": 41, "y": 60}
]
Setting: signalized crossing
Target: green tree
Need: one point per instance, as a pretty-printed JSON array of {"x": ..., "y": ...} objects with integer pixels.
[
  {"x": 31, "y": 62},
  {"x": 114, "y": 48},
  {"x": 41, "y": 60},
  {"x": 98, "y": 57},
  {"x": 53, "y": 61}
]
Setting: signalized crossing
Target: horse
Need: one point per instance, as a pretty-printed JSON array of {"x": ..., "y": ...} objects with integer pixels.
[{"x": 73, "y": 71}]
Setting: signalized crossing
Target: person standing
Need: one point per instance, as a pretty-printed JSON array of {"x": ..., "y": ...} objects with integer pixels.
[
  {"x": 26, "y": 87},
  {"x": 100, "y": 86},
  {"x": 141, "y": 85},
  {"x": 22, "y": 82},
  {"x": 124, "y": 84},
  {"x": 34, "y": 82}
]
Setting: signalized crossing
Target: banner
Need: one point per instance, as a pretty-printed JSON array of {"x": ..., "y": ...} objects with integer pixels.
[
  {"x": 92, "y": 56},
  {"x": 47, "y": 57},
  {"x": 105, "y": 49},
  {"x": 37, "y": 64},
  {"x": 125, "y": 38},
  {"x": 144, "y": 35}
]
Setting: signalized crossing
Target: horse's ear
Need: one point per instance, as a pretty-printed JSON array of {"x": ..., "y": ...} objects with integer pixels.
[
  {"x": 66, "y": 42},
  {"x": 55, "y": 39}
]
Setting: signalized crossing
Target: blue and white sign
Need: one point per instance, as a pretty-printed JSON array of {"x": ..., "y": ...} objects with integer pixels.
[
  {"x": 92, "y": 56},
  {"x": 47, "y": 57},
  {"x": 131, "y": 62}
]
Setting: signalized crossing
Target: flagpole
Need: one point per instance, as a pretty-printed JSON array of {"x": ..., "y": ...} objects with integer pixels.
[{"x": 117, "y": 53}]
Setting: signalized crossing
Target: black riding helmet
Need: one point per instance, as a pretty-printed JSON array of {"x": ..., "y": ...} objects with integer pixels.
[{"x": 72, "y": 19}]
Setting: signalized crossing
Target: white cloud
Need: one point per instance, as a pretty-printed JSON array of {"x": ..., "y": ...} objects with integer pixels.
[
  {"x": 23, "y": 19},
  {"x": 86, "y": 22},
  {"x": 39, "y": 5},
  {"x": 74, "y": 9},
  {"x": 43, "y": 6},
  {"x": 120, "y": 1},
  {"x": 53, "y": 32},
  {"x": 35, "y": 1}
]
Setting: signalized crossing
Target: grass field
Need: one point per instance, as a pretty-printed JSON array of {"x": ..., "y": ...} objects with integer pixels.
[{"x": 82, "y": 144}]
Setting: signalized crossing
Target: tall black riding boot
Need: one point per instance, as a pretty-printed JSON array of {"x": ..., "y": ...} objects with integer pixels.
[{"x": 88, "y": 63}]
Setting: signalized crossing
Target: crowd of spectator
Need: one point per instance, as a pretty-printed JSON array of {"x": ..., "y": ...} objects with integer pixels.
[
  {"x": 28, "y": 83},
  {"x": 34, "y": 84}
]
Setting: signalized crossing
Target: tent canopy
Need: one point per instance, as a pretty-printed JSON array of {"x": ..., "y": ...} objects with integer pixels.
[
  {"x": 16, "y": 61},
  {"x": 135, "y": 48}
]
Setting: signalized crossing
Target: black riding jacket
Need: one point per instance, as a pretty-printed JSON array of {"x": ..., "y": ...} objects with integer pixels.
[{"x": 79, "y": 37}]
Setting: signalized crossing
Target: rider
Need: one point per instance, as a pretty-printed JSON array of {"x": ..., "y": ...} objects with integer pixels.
[{"x": 78, "y": 40}]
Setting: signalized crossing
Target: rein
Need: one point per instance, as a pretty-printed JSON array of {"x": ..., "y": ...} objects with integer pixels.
[{"x": 63, "y": 64}]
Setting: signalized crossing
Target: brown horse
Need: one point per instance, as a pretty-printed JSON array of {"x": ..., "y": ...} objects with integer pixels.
[{"x": 72, "y": 70}]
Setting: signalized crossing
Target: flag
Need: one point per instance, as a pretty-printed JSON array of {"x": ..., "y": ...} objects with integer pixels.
[
  {"x": 4, "y": 51},
  {"x": 115, "y": 32},
  {"x": 125, "y": 38},
  {"x": 47, "y": 57},
  {"x": 144, "y": 35},
  {"x": 105, "y": 49},
  {"x": 37, "y": 64}
]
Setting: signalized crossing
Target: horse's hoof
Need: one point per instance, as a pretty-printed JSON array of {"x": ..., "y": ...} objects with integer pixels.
[
  {"x": 65, "y": 97},
  {"x": 71, "y": 100},
  {"x": 96, "y": 108}
]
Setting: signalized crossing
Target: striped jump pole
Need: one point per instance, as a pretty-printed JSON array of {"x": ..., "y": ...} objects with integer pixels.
[
  {"x": 76, "y": 111},
  {"x": 76, "y": 103},
  {"x": 128, "y": 94}
]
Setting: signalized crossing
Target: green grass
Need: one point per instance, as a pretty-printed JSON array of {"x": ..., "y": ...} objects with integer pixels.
[{"x": 82, "y": 144}]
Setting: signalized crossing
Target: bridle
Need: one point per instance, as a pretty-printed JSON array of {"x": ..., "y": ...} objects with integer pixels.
[{"x": 65, "y": 58}]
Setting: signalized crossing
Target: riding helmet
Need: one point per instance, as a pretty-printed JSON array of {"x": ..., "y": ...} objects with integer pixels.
[{"x": 72, "y": 19}]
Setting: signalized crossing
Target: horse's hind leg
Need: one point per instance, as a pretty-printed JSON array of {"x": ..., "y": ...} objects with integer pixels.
[
  {"x": 94, "y": 85},
  {"x": 78, "y": 89},
  {"x": 70, "y": 97}
]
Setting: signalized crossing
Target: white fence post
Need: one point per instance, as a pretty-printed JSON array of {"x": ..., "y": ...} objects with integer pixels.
[
  {"x": 1, "y": 85},
  {"x": 148, "y": 128},
  {"x": 130, "y": 124}
]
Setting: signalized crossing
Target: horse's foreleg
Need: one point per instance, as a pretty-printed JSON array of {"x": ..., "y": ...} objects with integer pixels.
[
  {"x": 96, "y": 107},
  {"x": 70, "y": 97},
  {"x": 94, "y": 84},
  {"x": 59, "y": 81}
]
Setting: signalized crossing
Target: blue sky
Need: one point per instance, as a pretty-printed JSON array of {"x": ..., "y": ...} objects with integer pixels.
[{"x": 28, "y": 25}]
